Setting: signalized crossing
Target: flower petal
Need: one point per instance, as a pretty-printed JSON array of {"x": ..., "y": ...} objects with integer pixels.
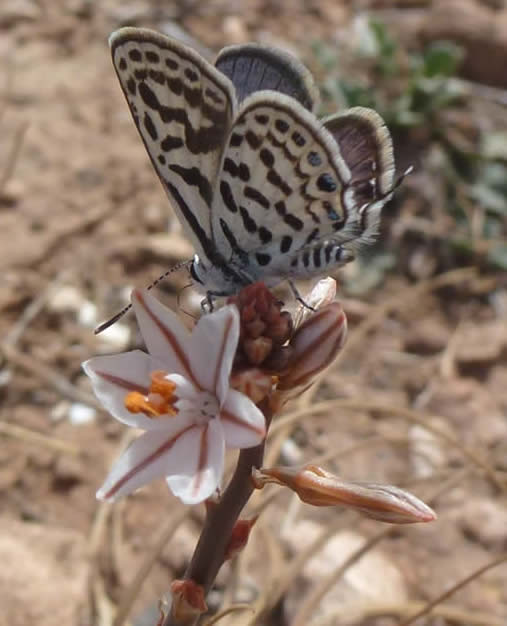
[
  {"x": 212, "y": 349},
  {"x": 150, "y": 456},
  {"x": 113, "y": 377},
  {"x": 200, "y": 454},
  {"x": 165, "y": 336},
  {"x": 243, "y": 423}
]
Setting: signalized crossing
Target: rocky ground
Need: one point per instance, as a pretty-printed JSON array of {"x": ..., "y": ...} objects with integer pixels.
[{"x": 417, "y": 399}]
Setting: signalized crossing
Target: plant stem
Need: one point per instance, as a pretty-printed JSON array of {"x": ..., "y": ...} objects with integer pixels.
[{"x": 209, "y": 553}]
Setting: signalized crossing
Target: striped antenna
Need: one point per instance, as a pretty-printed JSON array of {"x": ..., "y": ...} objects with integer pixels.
[{"x": 101, "y": 327}]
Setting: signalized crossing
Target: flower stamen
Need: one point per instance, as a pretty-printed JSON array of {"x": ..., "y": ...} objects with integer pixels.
[{"x": 159, "y": 401}]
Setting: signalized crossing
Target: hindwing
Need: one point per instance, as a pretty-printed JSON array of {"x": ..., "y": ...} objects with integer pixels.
[
  {"x": 252, "y": 67},
  {"x": 283, "y": 183}
]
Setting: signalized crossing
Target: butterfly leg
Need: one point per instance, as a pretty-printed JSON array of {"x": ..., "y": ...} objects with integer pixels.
[
  {"x": 207, "y": 303},
  {"x": 298, "y": 297}
]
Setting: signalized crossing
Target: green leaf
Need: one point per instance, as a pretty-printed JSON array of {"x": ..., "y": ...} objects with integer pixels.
[{"x": 441, "y": 59}]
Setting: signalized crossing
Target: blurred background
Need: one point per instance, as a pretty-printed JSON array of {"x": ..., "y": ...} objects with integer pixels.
[{"x": 417, "y": 399}]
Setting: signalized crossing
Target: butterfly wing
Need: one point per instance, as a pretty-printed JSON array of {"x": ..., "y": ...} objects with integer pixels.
[
  {"x": 183, "y": 108},
  {"x": 252, "y": 67},
  {"x": 365, "y": 144},
  {"x": 289, "y": 183},
  {"x": 283, "y": 183}
]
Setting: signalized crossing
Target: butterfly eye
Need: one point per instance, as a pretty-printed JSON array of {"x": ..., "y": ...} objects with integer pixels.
[{"x": 193, "y": 272}]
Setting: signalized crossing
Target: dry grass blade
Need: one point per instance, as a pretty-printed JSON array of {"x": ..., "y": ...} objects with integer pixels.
[
  {"x": 415, "y": 417},
  {"x": 403, "y": 299},
  {"x": 309, "y": 604},
  {"x": 30, "y": 436},
  {"x": 49, "y": 376},
  {"x": 453, "y": 614},
  {"x": 395, "y": 303},
  {"x": 263, "y": 540},
  {"x": 235, "y": 608},
  {"x": 13, "y": 156},
  {"x": 459, "y": 585},
  {"x": 294, "y": 568},
  {"x": 95, "y": 542},
  {"x": 103, "y": 606},
  {"x": 130, "y": 594}
]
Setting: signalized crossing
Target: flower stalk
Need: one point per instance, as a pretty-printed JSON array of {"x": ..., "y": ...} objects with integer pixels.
[{"x": 196, "y": 393}]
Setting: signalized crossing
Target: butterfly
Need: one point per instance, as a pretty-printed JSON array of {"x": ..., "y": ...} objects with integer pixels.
[{"x": 263, "y": 188}]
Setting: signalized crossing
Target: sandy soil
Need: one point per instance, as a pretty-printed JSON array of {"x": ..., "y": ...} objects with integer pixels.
[{"x": 421, "y": 390}]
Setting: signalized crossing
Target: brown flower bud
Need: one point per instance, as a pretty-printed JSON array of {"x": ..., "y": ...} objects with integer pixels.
[
  {"x": 188, "y": 601},
  {"x": 264, "y": 326},
  {"x": 253, "y": 382},
  {"x": 318, "y": 487},
  {"x": 257, "y": 350},
  {"x": 315, "y": 345},
  {"x": 239, "y": 537}
]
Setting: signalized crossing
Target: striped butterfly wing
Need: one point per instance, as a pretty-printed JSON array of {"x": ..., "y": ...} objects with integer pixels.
[
  {"x": 283, "y": 184},
  {"x": 183, "y": 109},
  {"x": 252, "y": 67},
  {"x": 289, "y": 183}
]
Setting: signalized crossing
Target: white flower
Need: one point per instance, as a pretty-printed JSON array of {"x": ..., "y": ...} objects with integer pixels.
[{"x": 179, "y": 394}]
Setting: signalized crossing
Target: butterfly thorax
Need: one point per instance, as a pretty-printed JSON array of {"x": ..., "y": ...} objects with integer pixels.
[{"x": 217, "y": 276}]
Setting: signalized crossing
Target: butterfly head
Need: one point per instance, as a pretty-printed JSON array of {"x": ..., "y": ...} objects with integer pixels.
[
  {"x": 197, "y": 270},
  {"x": 212, "y": 278}
]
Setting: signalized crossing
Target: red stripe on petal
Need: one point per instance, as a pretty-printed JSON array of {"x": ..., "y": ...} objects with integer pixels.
[
  {"x": 140, "y": 466},
  {"x": 122, "y": 382},
  {"x": 203, "y": 458},
  {"x": 227, "y": 330},
  {"x": 234, "y": 419},
  {"x": 171, "y": 339}
]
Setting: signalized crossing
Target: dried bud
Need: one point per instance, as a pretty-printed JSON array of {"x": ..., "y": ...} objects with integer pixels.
[
  {"x": 188, "y": 601},
  {"x": 316, "y": 486},
  {"x": 315, "y": 344},
  {"x": 239, "y": 537},
  {"x": 264, "y": 326},
  {"x": 257, "y": 350},
  {"x": 253, "y": 382}
]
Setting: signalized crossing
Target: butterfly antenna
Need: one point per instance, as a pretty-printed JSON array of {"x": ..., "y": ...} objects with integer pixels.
[
  {"x": 397, "y": 183},
  {"x": 401, "y": 178},
  {"x": 101, "y": 327}
]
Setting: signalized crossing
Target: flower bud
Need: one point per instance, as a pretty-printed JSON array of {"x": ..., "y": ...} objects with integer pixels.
[
  {"x": 253, "y": 382},
  {"x": 264, "y": 326},
  {"x": 239, "y": 537},
  {"x": 188, "y": 601},
  {"x": 315, "y": 344},
  {"x": 318, "y": 487}
]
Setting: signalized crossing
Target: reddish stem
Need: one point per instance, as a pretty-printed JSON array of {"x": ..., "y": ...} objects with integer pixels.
[{"x": 210, "y": 551}]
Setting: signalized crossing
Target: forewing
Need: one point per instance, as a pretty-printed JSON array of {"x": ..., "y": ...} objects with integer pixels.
[
  {"x": 252, "y": 67},
  {"x": 282, "y": 184},
  {"x": 182, "y": 107}
]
